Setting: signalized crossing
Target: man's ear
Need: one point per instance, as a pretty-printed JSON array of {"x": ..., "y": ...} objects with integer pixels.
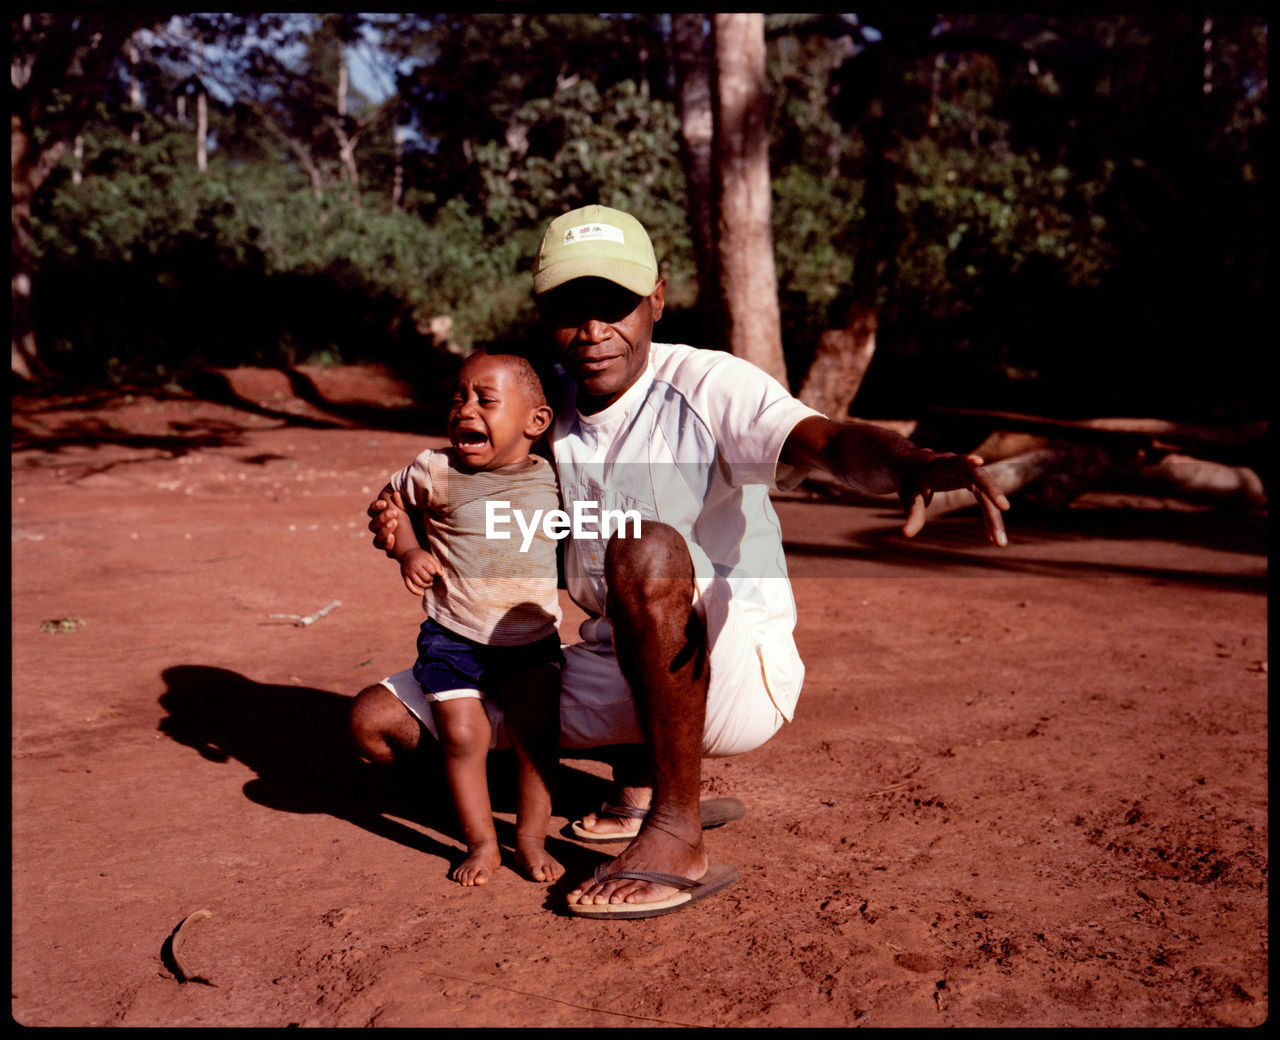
[
  {"x": 538, "y": 422},
  {"x": 657, "y": 299}
]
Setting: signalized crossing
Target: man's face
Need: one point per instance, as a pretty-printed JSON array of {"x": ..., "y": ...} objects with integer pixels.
[{"x": 602, "y": 333}]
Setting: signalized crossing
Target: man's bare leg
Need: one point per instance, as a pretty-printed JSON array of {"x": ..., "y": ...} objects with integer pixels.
[
  {"x": 662, "y": 649},
  {"x": 384, "y": 730}
]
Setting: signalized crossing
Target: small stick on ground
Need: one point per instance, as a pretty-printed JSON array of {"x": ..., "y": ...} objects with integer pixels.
[{"x": 309, "y": 619}]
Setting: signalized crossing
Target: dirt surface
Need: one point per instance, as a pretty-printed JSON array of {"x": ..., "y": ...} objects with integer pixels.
[{"x": 1023, "y": 786}]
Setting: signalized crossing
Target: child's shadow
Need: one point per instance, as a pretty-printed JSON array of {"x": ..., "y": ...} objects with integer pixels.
[{"x": 297, "y": 741}]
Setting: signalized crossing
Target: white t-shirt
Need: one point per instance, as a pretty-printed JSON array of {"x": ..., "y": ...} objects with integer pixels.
[{"x": 694, "y": 443}]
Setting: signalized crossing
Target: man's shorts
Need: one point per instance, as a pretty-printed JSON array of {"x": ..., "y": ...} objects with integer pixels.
[
  {"x": 754, "y": 685},
  {"x": 450, "y": 666}
]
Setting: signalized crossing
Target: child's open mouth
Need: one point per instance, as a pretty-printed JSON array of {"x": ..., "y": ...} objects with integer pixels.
[{"x": 470, "y": 438}]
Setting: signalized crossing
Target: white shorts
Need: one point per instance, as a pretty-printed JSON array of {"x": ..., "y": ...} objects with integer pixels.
[{"x": 753, "y": 682}]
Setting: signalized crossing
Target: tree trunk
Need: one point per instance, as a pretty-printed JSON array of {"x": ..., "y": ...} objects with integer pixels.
[
  {"x": 843, "y": 354},
  {"x": 28, "y": 169},
  {"x": 342, "y": 81},
  {"x": 347, "y": 154},
  {"x": 346, "y": 141},
  {"x": 52, "y": 55},
  {"x": 202, "y": 131},
  {"x": 692, "y": 55},
  {"x": 840, "y": 364},
  {"x": 748, "y": 277},
  {"x": 135, "y": 91},
  {"x": 202, "y": 115},
  {"x": 299, "y": 148},
  {"x": 397, "y": 176}
]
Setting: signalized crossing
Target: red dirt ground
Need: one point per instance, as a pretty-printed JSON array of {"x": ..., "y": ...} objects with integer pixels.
[{"x": 1024, "y": 787}]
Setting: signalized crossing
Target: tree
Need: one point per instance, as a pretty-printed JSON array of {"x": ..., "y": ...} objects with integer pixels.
[
  {"x": 290, "y": 73},
  {"x": 1005, "y": 204},
  {"x": 59, "y": 69},
  {"x": 474, "y": 74},
  {"x": 691, "y": 55},
  {"x": 748, "y": 278}
]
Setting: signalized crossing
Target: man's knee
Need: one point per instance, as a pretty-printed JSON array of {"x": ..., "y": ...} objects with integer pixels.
[
  {"x": 381, "y": 724},
  {"x": 654, "y": 563}
]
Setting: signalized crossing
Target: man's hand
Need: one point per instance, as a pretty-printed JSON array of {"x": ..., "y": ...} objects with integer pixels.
[
  {"x": 949, "y": 472},
  {"x": 419, "y": 570},
  {"x": 384, "y": 513},
  {"x": 879, "y": 462}
]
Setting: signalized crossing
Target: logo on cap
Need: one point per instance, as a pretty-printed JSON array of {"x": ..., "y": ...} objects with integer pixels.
[{"x": 597, "y": 232}]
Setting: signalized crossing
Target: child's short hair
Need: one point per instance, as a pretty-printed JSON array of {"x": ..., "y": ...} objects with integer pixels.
[{"x": 532, "y": 377}]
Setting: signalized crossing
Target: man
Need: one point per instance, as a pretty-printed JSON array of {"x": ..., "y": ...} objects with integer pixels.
[{"x": 688, "y": 648}]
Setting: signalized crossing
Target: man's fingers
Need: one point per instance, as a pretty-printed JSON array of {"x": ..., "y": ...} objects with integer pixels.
[
  {"x": 915, "y": 517},
  {"x": 985, "y": 487},
  {"x": 994, "y": 522},
  {"x": 993, "y": 502}
]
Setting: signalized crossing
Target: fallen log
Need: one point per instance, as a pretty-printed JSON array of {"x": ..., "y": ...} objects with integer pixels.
[
  {"x": 1058, "y": 475},
  {"x": 1054, "y": 477},
  {"x": 1233, "y": 444},
  {"x": 1198, "y": 480},
  {"x": 1050, "y": 471}
]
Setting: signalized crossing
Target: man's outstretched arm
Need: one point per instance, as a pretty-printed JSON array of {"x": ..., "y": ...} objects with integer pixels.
[{"x": 879, "y": 462}]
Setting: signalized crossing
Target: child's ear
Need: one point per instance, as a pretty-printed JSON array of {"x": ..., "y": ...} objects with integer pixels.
[{"x": 538, "y": 422}]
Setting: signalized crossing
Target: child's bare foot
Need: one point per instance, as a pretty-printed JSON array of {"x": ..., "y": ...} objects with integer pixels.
[
  {"x": 537, "y": 863},
  {"x": 482, "y": 860}
]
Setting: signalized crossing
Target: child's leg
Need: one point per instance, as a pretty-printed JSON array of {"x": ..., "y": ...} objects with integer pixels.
[
  {"x": 531, "y": 707},
  {"x": 463, "y": 728}
]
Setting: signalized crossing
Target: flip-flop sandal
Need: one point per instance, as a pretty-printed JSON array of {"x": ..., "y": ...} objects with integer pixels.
[
  {"x": 718, "y": 877},
  {"x": 714, "y": 812}
]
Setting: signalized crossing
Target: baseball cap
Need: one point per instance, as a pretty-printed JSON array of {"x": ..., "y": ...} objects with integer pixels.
[{"x": 595, "y": 242}]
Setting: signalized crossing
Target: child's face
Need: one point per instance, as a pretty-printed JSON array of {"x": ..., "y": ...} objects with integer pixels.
[{"x": 493, "y": 422}]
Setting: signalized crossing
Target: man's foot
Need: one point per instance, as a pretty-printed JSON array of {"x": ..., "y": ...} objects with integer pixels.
[
  {"x": 654, "y": 849},
  {"x": 621, "y": 827},
  {"x": 535, "y": 861},
  {"x": 610, "y": 823},
  {"x": 478, "y": 867}
]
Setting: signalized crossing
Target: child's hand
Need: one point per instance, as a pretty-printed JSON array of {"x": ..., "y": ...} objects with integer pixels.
[
  {"x": 419, "y": 570},
  {"x": 384, "y": 518}
]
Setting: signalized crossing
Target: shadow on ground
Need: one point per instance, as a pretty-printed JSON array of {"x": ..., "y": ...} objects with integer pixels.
[
  {"x": 1041, "y": 545},
  {"x": 295, "y": 739}
]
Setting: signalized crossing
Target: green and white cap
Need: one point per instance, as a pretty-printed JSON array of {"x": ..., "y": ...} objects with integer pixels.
[{"x": 596, "y": 242}]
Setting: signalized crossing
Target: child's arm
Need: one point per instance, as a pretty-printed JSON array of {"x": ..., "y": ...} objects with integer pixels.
[{"x": 417, "y": 566}]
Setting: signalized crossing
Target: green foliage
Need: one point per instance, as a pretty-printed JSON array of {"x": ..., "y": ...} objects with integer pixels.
[
  {"x": 581, "y": 147},
  {"x": 1072, "y": 215},
  {"x": 150, "y": 267}
]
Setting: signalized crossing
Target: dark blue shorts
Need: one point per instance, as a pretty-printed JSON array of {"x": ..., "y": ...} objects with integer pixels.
[{"x": 450, "y": 665}]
